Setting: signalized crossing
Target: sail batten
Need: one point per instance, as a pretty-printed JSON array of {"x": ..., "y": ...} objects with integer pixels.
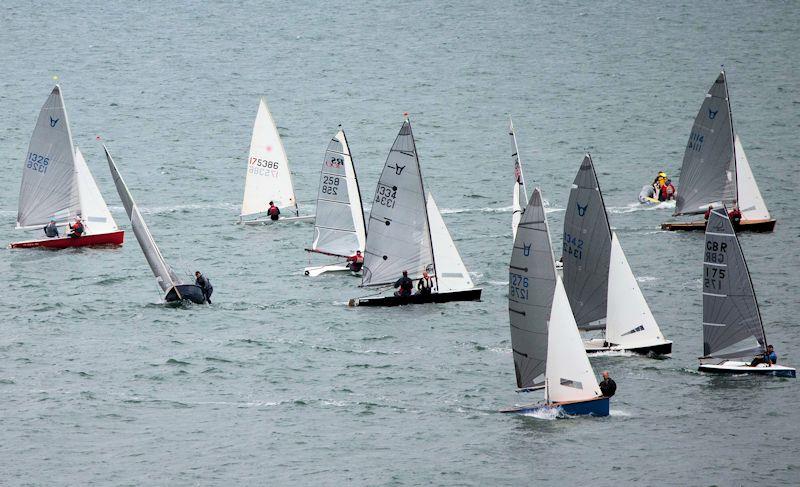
[
  {"x": 268, "y": 175},
  {"x": 398, "y": 232},
  {"x": 729, "y": 300},
  {"x": 339, "y": 227}
]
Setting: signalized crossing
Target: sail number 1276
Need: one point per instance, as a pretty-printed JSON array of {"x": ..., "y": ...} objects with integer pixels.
[{"x": 517, "y": 286}]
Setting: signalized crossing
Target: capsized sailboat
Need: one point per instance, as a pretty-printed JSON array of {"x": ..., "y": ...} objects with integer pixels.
[
  {"x": 339, "y": 227},
  {"x": 57, "y": 185},
  {"x": 175, "y": 290},
  {"x": 732, "y": 325},
  {"x": 715, "y": 169},
  {"x": 519, "y": 199},
  {"x": 600, "y": 285},
  {"x": 547, "y": 348},
  {"x": 406, "y": 232},
  {"x": 268, "y": 175}
]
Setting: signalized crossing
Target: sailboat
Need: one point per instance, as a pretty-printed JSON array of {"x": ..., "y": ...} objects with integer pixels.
[
  {"x": 57, "y": 185},
  {"x": 600, "y": 285},
  {"x": 268, "y": 175},
  {"x": 339, "y": 227},
  {"x": 174, "y": 289},
  {"x": 732, "y": 325},
  {"x": 546, "y": 345},
  {"x": 519, "y": 199},
  {"x": 406, "y": 232},
  {"x": 715, "y": 169}
]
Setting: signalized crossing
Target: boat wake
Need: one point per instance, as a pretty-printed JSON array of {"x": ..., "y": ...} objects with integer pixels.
[
  {"x": 614, "y": 353},
  {"x": 489, "y": 209},
  {"x": 546, "y": 413},
  {"x": 632, "y": 207}
]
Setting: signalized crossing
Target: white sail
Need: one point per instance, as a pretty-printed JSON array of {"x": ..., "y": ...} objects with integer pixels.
[
  {"x": 451, "y": 274},
  {"x": 569, "y": 374},
  {"x": 520, "y": 193},
  {"x": 268, "y": 175},
  {"x": 750, "y": 202},
  {"x": 49, "y": 186},
  {"x": 339, "y": 225},
  {"x": 629, "y": 322},
  {"x": 94, "y": 211}
]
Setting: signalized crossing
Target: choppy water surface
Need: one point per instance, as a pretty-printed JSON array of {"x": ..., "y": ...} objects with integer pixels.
[{"x": 278, "y": 382}]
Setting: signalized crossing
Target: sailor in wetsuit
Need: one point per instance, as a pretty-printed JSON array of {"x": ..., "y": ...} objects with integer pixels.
[
  {"x": 608, "y": 387},
  {"x": 76, "y": 229},
  {"x": 203, "y": 283},
  {"x": 355, "y": 262},
  {"x": 424, "y": 285},
  {"x": 404, "y": 284},
  {"x": 273, "y": 211},
  {"x": 51, "y": 230},
  {"x": 769, "y": 357}
]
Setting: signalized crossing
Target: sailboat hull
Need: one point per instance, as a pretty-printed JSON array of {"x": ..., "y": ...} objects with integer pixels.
[
  {"x": 597, "y": 345},
  {"x": 466, "y": 295},
  {"x": 742, "y": 226},
  {"x": 736, "y": 367},
  {"x": 315, "y": 271},
  {"x": 599, "y": 406},
  {"x": 188, "y": 292},
  {"x": 111, "y": 238},
  {"x": 269, "y": 221}
]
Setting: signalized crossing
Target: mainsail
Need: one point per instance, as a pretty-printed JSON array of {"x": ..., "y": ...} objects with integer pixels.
[
  {"x": 268, "y": 175},
  {"x": 708, "y": 172},
  {"x": 339, "y": 227},
  {"x": 586, "y": 250},
  {"x": 94, "y": 211},
  {"x": 398, "y": 233},
  {"x": 520, "y": 194},
  {"x": 165, "y": 277},
  {"x": 730, "y": 309},
  {"x": 451, "y": 274},
  {"x": 531, "y": 284},
  {"x": 49, "y": 186}
]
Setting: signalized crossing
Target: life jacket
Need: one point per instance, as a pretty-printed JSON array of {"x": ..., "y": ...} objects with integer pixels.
[
  {"x": 77, "y": 229},
  {"x": 667, "y": 191}
]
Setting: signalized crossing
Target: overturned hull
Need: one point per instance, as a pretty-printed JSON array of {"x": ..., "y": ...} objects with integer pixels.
[
  {"x": 767, "y": 225},
  {"x": 466, "y": 295},
  {"x": 185, "y": 292},
  {"x": 111, "y": 238}
]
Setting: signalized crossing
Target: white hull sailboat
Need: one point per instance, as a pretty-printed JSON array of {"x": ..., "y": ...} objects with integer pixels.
[
  {"x": 175, "y": 290},
  {"x": 715, "y": 169},
  {"x": 268, "y": 175},
  {"x": 57, "y": 185},
  {"x": 599, "y": 281},
  {"x": 732, "y": 325},
  {"x": 406, "y": 232},
  {"x": 339, "y": 227},
  {"x": 545, "y": 342}
]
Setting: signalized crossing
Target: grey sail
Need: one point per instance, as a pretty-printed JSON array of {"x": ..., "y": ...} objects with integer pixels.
[
  {"x": 586, "y": 247},
  {"x": 49, "y": 186},
  {"x": 531, "y": 285},
  {"x": 708, "y": 172},
  {"x": 165, "y": 277},
  {"x": 398, "y": 233},
  {"x": 730, "y": 309}
]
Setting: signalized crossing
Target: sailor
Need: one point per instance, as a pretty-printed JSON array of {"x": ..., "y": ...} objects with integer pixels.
[
  {"x": 203, "y": 283},
  {"x": 424, "y": 284},
  {"x": 667, "y": 191},
  {"x": 735, "y": 215},
  {"x": 405, "y": 284},
  {"x": 51, "y": 230},
  {"x": 356, "y": 262},
  {"x": 707, "y": 214},
  {"x": 658, "y": 182},
  {"x": 608, "y": 387},
  {"x": 769, "y": 357},
  {"x": 76, "y": 229},
  {"x": 273, "y": 211}
]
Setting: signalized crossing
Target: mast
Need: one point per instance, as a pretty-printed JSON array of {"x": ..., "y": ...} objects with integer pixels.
[{"x": 733, "y": 134}]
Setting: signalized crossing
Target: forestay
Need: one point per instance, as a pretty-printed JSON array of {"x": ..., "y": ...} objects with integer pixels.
[
  {"x": 398, "y": 235},
  {"x": 49, "y": 186},
  {"x": 165, "y": 277},
  {"x": 520, "y": 193},
  {"x": 339, "y": 227},
  {"x": 268, "y": 175},
  {"x": 708, "y": 172},
  {"x": 531, "y": 284},
  {"x": 94, "y": 211},
  {"x": 730, "y": 310},
  {"x": 586, "y": 248},
  {"x": 751, "y": 204},
  {"x": 451, "y": 274}
]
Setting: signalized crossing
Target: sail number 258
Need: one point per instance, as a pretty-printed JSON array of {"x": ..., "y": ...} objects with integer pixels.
[{"x": 517, "y": 286}]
